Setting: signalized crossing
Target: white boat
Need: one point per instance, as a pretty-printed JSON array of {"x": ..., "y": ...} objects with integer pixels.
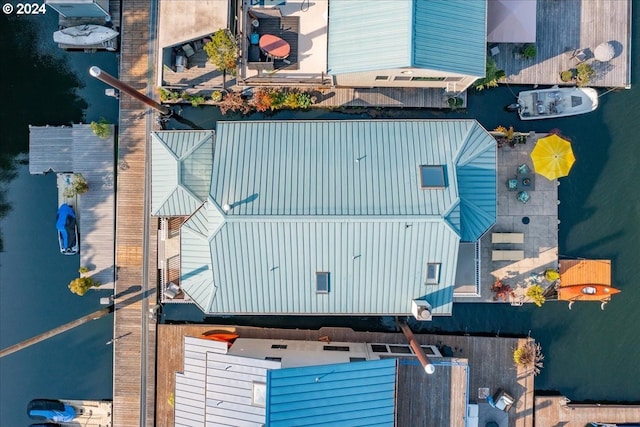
[
  {"x": 555, "y": 102},
  {"x": 84, "y": 35}
]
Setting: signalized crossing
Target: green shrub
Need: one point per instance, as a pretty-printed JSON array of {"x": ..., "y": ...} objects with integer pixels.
[
  {"x": 216, "y": 96},
  {"x": 566, "y": 76},
  {"x": 197, "y": 100},
  {"x": 492, "y": 76},
  {"x": 83, "y": 270},
  {"x": 81, "y": 285},
  {"x": 455, "y": 102},
  {"x": 529, "y": 51},
  {"x": 585, "y": 74},
  {"x": 102, "y": 128},
  {"x": 305, "y": 101},
  {"x": 535, "y": 293},
  {"x": 77, "y": 186}
]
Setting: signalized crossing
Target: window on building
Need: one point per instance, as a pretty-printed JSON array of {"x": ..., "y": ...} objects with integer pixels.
[
  {"x": 427, "y": 79},
  {"x": 357, "y": 359},
  {"x": 259, "y": 394},
  {"x": 379, "y": 348},
  {"x": 322, "y": 282},
  {"x": 433, "y": 273},
  {"x": 275, "y": 359},
  {"x": 280, "y": 346},
  {"x": 402, "y": 78},
  {"x": 453, "y": 79},
  {"x": 432, "y": 176},
  {"x": 336, "y": 348},
  {"x": 400, "y": 349},
  {"x": 382, "y": 78}
]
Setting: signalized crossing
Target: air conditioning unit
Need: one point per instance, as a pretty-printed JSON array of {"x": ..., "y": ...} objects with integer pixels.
[{"x": 421, "y": 309}]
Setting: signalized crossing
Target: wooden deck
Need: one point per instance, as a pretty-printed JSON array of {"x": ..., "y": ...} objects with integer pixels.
[
  {"x": 554, "y": 411},
  {"x": 564, "y": 26},
  {"x": 490, "y": 363},
  {"x": 134, "y": 332},
  {"x": 77, "y": 149}
]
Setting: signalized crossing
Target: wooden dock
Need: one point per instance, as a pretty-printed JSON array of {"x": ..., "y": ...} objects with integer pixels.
[
  {"x": 559, "y": 411},
  {"x": 134, "y": 353},
  {"x": 490, "y": 361},
  {"x": 564, "y": 26}
]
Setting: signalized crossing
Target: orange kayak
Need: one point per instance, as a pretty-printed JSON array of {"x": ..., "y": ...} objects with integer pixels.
[
  {"x": 586, "y": 292},
  {"x": 228, "y": 337}
]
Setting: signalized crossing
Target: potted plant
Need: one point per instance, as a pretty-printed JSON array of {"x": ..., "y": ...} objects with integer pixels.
[
  {"x": 567, "y": 76},
  {"x": 529, "y": 356},
  {"x": 529, "y": 51},
  {"x": 585, "y": 73},
  {"x": 102, "y": 129},
  {"x": 81, "y": 285},
  {"x": 536, "y": 293},
  {"x": 455, "y": 102}
]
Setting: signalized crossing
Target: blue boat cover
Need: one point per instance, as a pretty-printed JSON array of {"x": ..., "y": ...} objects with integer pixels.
[
  {"x": 65, "y": 223},
  {"x": 50, "y": 410}
]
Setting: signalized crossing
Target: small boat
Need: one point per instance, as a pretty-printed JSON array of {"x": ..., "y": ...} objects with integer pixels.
[
  {"x": 84, "y": 35},
  {"x": 223, "y": 336},
  {"x": 586, "y": 292},
  {"x": 555, "y": 102},
  {"x": 89, "y": 413},
  {"x": 67, "y": 230}
]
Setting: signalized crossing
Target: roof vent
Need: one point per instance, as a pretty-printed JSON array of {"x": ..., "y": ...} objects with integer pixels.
[{"x": 421, "y": 309}]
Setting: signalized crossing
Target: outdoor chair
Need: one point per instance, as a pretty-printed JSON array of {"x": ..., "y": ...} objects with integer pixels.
[
  {"x": 523, "y": 196},
  {"x": 579, "y": 55},
  {"x": 512, "y": 184}
]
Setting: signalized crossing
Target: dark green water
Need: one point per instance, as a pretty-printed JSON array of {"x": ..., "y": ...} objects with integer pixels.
[{"x": 589, "y": 353}]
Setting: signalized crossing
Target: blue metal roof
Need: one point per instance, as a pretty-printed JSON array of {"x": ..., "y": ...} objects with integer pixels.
[
  {"x": 342, "y": 197},
  {"x": 181, "y": 171},
  {"x": 451, "y": 36},
  {"x": 442, "y": 35},
  {"x": 367, "y": 36},
  {"x": 345, "y": 395}
]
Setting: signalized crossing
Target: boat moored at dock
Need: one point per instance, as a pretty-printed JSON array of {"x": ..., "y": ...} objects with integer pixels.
[
  {"x": 88, "y": 413},
  {"x": 555, "y": 102}
]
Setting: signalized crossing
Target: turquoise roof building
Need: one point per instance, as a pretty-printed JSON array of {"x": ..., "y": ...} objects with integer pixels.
[
  {"x": 434, "y": 43},
  {"x": 331, "y": 217},
  {"x": 346, "y": 394}
]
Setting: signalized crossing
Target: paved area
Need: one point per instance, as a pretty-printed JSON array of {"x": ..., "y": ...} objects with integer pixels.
[{"x": 540, "y": 244}]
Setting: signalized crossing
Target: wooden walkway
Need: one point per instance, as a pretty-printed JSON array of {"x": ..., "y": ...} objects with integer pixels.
[
  {"x": 564, "y": 26},
  {"x": 554, "y": 411},
  {"x": 490, "y": 361},
  {"x": 133, "y": 373}
]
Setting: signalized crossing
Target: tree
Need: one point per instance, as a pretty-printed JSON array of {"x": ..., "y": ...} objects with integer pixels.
[
  {"x": 492, "y": 76},
  {"x": 81, "y": 285},
  {"x": 223, "y": 51}
]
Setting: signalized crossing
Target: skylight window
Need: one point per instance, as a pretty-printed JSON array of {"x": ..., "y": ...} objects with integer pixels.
[
  {"x": 433, "y": 273},
  {"x": 432, "y": 176},
  {"x": 322, "y": 282}
]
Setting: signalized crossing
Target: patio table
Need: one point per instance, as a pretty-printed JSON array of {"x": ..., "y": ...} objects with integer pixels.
[{"x": 274, "y": 46}]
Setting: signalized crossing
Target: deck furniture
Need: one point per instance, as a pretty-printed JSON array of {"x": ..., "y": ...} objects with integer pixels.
[
  {"x": 523, "y": 197},
  {"x": 516, "y": 238},
  {"x": 274, "y": 47},
  {"x": 512, "y": 184},
  {"x": 506, "y": 255}
]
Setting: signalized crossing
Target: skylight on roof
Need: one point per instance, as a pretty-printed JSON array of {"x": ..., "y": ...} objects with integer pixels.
[{"x": 432, "y": 176}]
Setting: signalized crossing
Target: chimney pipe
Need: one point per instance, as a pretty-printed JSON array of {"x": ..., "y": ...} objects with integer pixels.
[
  {"x": 123, "y": 87},
  {"x": 426, "y": 364}
]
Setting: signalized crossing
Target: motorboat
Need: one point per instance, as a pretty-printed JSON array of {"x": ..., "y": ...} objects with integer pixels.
[
  {"x": 586, "y": 292},
  {"x": 555, "y": 102},
  {"x": 84, "y": 35},
  {"x": 88, "y": 413},
  {"x": 67, "y": 230}
]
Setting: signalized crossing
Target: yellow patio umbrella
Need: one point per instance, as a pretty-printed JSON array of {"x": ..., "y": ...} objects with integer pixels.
[{"x": 552, "y": 157}]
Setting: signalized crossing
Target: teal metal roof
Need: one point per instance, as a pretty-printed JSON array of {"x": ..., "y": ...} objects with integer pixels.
[
  {"x": 181, "y": 171},
  {"x": 450, "y": 35},
  {"x": 367, "y": 36},
  {"x": 442, "y": 35},
  {"x": 345, "y": 395},
  {"x": 342, "y": 197}
]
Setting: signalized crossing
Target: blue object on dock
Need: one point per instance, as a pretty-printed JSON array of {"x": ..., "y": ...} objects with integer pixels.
[{"x": 255, "y": 38}]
